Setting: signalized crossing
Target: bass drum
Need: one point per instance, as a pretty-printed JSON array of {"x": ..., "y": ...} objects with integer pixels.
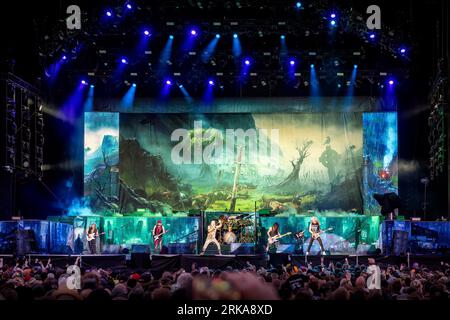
[{"x": 229, "y": 237}]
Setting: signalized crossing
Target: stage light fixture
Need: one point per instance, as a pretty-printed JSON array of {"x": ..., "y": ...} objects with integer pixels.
[
  {"x": 298, "y": 5},
  {"x": 312, "y": 65},
  {"x": 355, "y": 66},
  {"x": 171, "y": 37},
  {"x": 402, "y": 50},
  {"x": 247, "y": 62},
  {"x": 211, "y": 82},
  {"x": 235, "y": 36},
  {"x": 92, "y": 86},
  {"x": 64, "y": 57},
  {"x": 391, "y": 82},
  {"x": 108, "y": 13},
  {"x": 124, "y": 60},
  {"x": 333, "y": 15},
  {"x": 83, "y": 82},
  {"x": 134, "y": 84},
  {"x": 193, "y": 32},
  {"x": 217, "y": 36},
  {"x": 372, "y": 36},
  {"x": 168, "y": 82},
  {"x": 282, "y": 37},
  {"x": 147, "y": 33},
  {"x": 129, "y": 6},
  {"x": 333, "y": 22},
  {"x": 292, "y": 62}
]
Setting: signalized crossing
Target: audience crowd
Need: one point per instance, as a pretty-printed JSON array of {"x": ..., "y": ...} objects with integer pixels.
[{"x": 27, "y": 281}]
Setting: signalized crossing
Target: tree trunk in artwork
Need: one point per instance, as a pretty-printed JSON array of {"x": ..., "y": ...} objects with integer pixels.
[{"x": 293, "y": 180}]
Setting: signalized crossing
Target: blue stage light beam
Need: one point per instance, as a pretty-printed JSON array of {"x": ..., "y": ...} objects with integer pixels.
[
  {"x": 390, "y": 95},
  {"x": 72, "y": 108},
  {"x": 348, "y": 100},
  {"x": 127, "y": 101},
  {"x": 208, "y": 95},
  {"x": 314, "y": 83},
  {"x": 53, "y": 70},
  {"x": 89, "y": 102},
  {"x": 165, "y": 91},
  {"x": 165, "y": 53},
  {"x": 190, "y": 39},
  {"x": 237, "y": 49},
  {"x": 185, "y": 93},
  {"x": 210, "y": 49},
  {"x": 283, "y": 47}
]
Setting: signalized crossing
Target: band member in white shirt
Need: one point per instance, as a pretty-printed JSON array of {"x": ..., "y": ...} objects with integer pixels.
[{"x": 211, "y": 237}]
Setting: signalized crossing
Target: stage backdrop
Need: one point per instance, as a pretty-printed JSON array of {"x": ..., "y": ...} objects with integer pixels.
[{"x": 290, "y": 162}]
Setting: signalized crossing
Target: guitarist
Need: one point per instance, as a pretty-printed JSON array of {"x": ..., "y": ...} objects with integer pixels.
[
  {"x": 314, "y": 229},
  {"x": 158, "y": 231},
  {"x": 273, "y": 231},
  {"x": 92, "y": 234}
]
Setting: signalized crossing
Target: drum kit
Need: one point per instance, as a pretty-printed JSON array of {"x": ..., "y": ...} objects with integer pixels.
[{"x": 236, "y": 229}]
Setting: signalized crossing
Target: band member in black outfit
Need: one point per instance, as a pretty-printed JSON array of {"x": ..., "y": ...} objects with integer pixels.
[
  {"x": 314, "y": 229},
  {"x": 92, "y": 234},
  {"x": 271, "y": 233}
]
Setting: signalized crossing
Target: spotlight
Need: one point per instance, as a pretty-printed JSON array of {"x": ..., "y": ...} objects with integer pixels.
[
  {"x": 129, "y": 6},
  {"x": 312, "y": 65},
  {"x": 391, "y": 82},
  {"x": 217, "y": 36},
  {"x": 333, "y": 22},
  {"x": 134, "y": 84},
  {"x": 211, "y": 83},
  {"x": 402, "y": 50},
  {"x": 108, "y": 13},
  {"x": 247, "y": 62},
  {"x": 171, "y": 37},
  {"x": 180, "y": 86},
  {"x": 235, "y": 35},
  {"x": 193, "y": 32},
  {"x": 333, "y": 15},
  {"x": 355, "y": 66},
  {"x": 298, "y": 5},
  {"x": 124, "y": 60},
  {"x": 83, "y": 82},
  {"x": 147, "y": 33},
  {"x": 92, "y": 85},
  {"x": 372, "y": 36},
  {"x": 292, "y": 62},
  {"x": 168, "y": 82},
  {"x": 339, "y": 85},
  {"x": 282, "y": 37}
]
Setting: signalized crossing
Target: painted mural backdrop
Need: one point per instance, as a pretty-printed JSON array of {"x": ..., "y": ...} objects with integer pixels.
[{"x": 232, "y": 162}]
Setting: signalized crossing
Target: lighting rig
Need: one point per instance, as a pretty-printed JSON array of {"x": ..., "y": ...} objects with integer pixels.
[{"x": 282, "y": 39}]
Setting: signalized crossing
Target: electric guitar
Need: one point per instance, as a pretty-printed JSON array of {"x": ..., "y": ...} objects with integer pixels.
[
  {"x": 299, "y": 235},
  {"x": 315, "y": 235},
  {"x": 158, "y": 236},
  {"x": 92, "y": 236},
  {"x": 276, "y": 238}
]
